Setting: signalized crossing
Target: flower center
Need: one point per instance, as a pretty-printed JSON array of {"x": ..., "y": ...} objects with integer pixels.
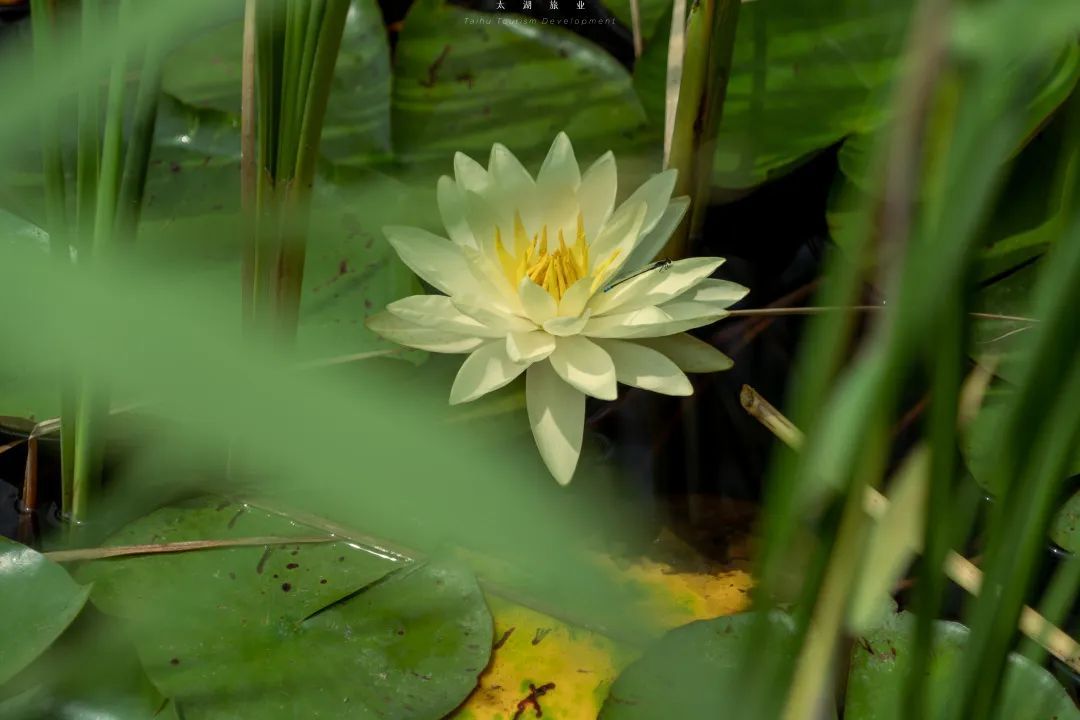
[{"x": 553, "y": 267}]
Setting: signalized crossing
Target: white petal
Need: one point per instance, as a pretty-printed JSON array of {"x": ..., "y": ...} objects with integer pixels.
[
  {"x": 643, "y": 367},
  {"x": 654, "y": 286},
  {"x": 653, "y": 241},
  {"x": 537, "y": 302},
  {"x": 438, "y": 312},
  {"x": 618, "y": 237},
  {"x": 512, "y": 189},
  {"x": 560, "y": 169},
  {"x": 596, "y": 194},
  {"x": 584, "y": 364},
  {"x": 565, "y": 326},
  {"x": 482, "y": 219},
  {"x": 406, "y": 333},
  {"x": 557, "y": 417},
  {"x": 656, "y": 194},
  {"x": 487, "y": 369},
  {"x": 653, "y": 321},
  {"x": 452, "y": 210},
  {"x": 469, "y": 174},
  {"x": 576, "y": 298},
  {"x": 690, "y": 354},
  {"x": 500, "y": 293},
  {"x": 435, "y": 259},
  {"x": 530, "y": 346},
  {"x": 721, "y": 293},
  {"x": 491, "y": 317}
]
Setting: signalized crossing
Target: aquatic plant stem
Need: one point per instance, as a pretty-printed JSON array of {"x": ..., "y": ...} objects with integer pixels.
[
  {"x": 248, "y": 162},
  {"x": 706, "y": 68},
  {"x": 93, "y": 402},
  {"x": 317, "y": 95},
  {"x": 291, "y": 48},
  {"x": 137, "y": 155},
  {"x": 43, "y": 19}
]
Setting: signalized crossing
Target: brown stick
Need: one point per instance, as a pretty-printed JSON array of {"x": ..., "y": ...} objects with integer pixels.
[{"x": 180, "y": 547}]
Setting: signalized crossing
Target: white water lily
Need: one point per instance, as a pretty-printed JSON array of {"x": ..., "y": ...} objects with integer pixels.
[{"x": 546, "y": 277}]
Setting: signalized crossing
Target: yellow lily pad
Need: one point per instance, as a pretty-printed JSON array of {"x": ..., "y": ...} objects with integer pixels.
[{"x": 543, "y": 665}]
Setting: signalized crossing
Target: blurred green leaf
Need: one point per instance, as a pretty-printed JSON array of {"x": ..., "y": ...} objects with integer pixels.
[
  {"x": 690, "y": 673},
  {"x": 298, "y": 630},
  {"x": 38, "y": 600},
  {"x": 893, "y": 542},
  {"x": 881, "y": 662}
]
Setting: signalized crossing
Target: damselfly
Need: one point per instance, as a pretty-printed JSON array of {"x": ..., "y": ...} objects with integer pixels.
[{"x": 659, "y": 265}]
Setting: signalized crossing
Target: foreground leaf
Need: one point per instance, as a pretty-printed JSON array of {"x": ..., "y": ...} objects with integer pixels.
[
  {"x": 294, "y": 631},
  {"x": 38, "y": 600}
]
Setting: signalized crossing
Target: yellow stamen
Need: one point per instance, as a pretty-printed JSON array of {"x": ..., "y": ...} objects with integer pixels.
[
  {"x": 554, "y": 267},
  {"x": 581, "y": 248}
]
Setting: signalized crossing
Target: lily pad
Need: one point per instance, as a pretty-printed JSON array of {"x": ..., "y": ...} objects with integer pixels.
[
  {"x": 38, "y": 600},
  {"x": 984, "y": 434},
  {"x": 881, "y": 661},
  {"x": 205, "y": 73},
  {"x": 688, "y": 674},
  {"x": 1065, "y": 531},
  {"x": 325, "y": 630},
  {"x": 91, "y": 673},
  {"x": 804, "y": 76},
  {"x": 464, "y": 80}
]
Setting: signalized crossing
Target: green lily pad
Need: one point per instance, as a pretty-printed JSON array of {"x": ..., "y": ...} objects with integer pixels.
[
  {"x": 1065, "y": 530},
  {"x": 38, "y": 600},
  {"x": 804, "y": 76},
  {"x": 305, "y": 630},
  {"x": 464, "y": 80},
  {"x": 984, "y": 433},
  {"x": 651, "y": 11},
  {"x": 689, "y": 673},
  {"x": 91, "y": 673},
  {"x": 882, "y": 659},
  {"x": 1043, "y": 97},
  {"x": 205, "y": 74}
]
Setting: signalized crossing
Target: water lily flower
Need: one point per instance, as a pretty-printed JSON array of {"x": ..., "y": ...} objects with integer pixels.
[{"x": 545, "y": 276}]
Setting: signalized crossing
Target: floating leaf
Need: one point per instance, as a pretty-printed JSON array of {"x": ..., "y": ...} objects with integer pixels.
[
  {"x": 1065, "y": 531},
  {"x": 983, "y": 436},
  {"x": 299, "y": 630},
  {"x": 565, "y": 671},
  {"x": 91, "y": 673},
  {"x": 804, "y": 76},
  {"x": 205, "y": 73},
  {"x": 688, "y": 674},
  {"x": 39, "y": 600},
  {"x": 881, "y": 662},
  {"x": 542, "y": 665},
  {"x": 463, "y": 80}
]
